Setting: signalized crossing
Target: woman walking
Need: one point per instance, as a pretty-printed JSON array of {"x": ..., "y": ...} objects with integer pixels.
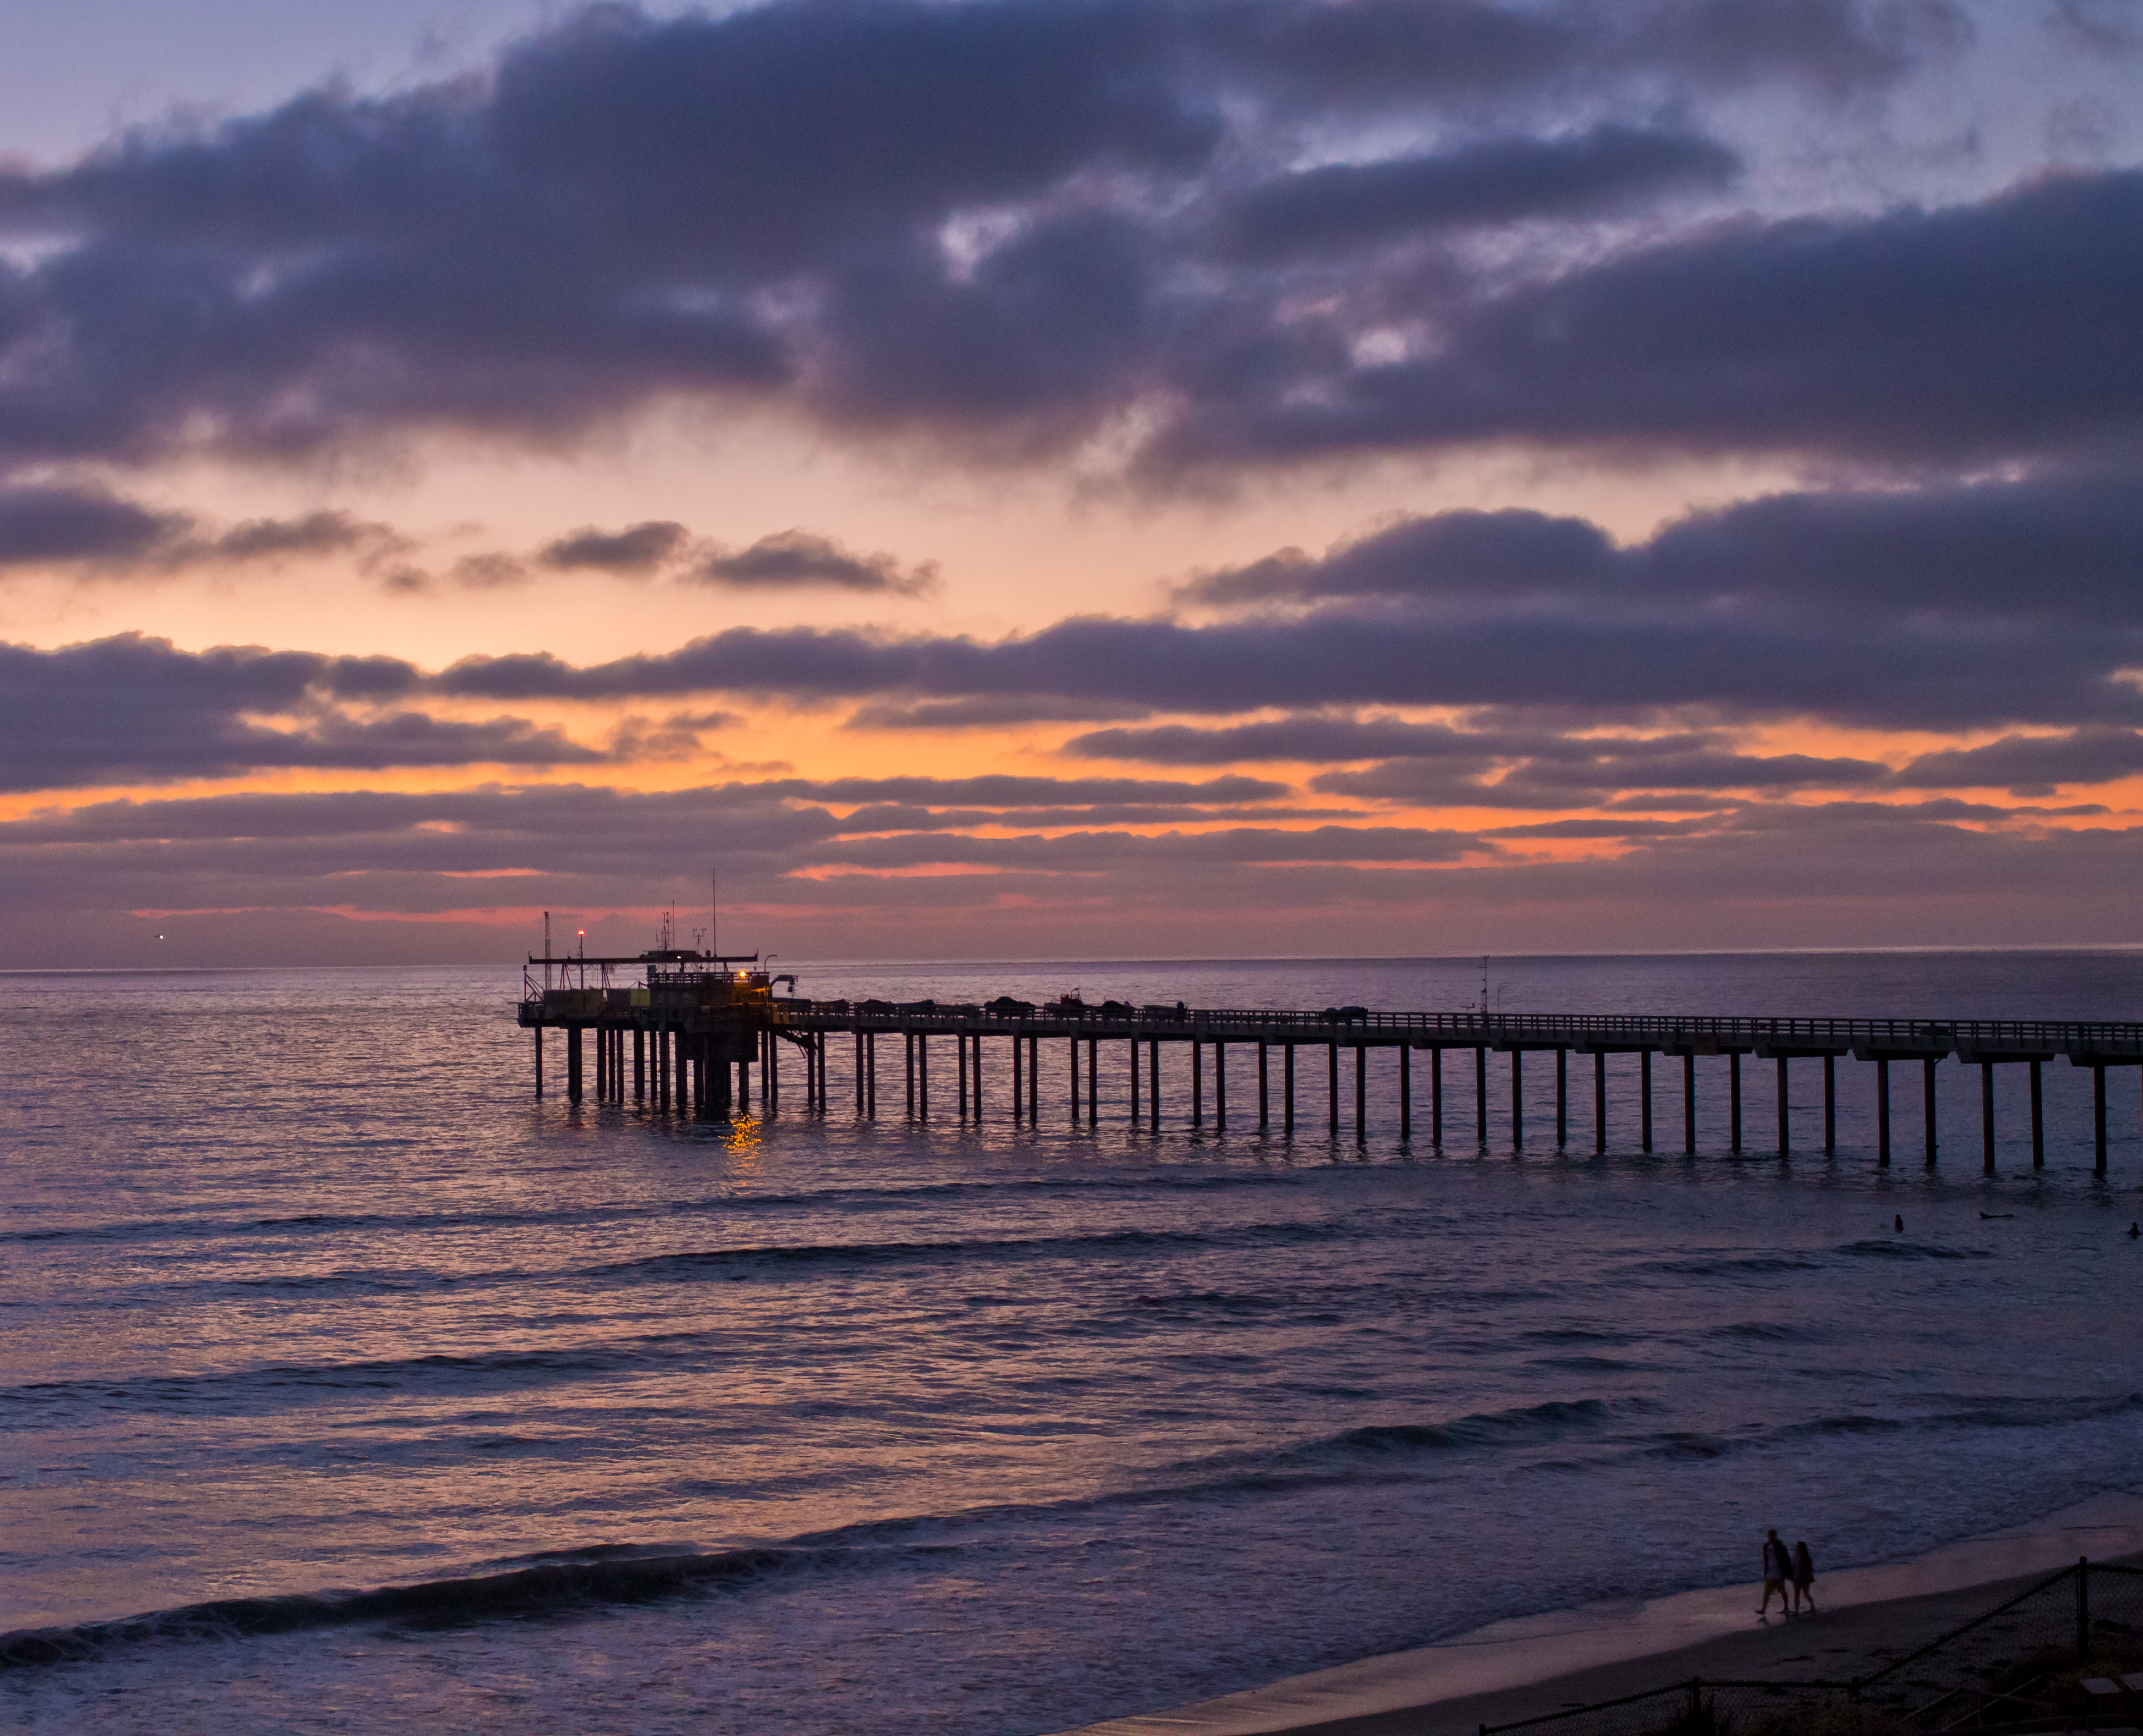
[{"x": 1804, "y": 1578}]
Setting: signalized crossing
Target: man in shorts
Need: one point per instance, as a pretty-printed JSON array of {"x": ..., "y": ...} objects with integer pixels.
[{"x": 1778, "y": 1574}]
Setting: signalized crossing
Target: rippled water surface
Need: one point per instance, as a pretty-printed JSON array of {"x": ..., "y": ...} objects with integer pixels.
[{"x": 537, "y": 1417}]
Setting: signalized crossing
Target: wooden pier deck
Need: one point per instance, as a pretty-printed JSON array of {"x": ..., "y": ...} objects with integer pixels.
[{"x": 698, "y": 1025}]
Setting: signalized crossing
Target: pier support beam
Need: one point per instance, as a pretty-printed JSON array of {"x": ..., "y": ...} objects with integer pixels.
[
  {"x": 1197, "y": 1083},
  {"x": 1481, "y": 1097},
  {"x": 1019, "y": 1082},
  {"x": 1264, "y": 1091},
  {"x": 1361, "y": 1094},
  {"x": 2098, "y": 1120},
  {"x": 1034, "y": 1081},
  {"x": 870, "y": 1076},
  {"x": 907, "y": 1068},
  {"x": 1093, "y": 1082},
  {"x": 921, "y": 1075},
  {"x": 539, "y": 1060},
  {"x": 1734, "y": 1096},
  {"x": 1133, "y": 1046},
  {"x": 1287, "y": 1091},
  {"x": 1331, "y": 1085},
  {"x": 1829, "y": 1104},
  {"x": 1645, "y": 1094},
  {"x": 1220, "y": 1086},
  {"x": 639, "y": 1064},
  {"x": 1882, "y": 1115},
  {"x": 1561, "y": 1099},
  {"x": 1599, "y": 1101},
  {"x": 1689, "y": 1103},
  {"x": 1785, "y": 1110},
  {"x": 1072, "y": 1050},
  {"x": 1517, "y": 1100},
  {"x": 2038, "y": 1122},
  {"x": 1436, "y": 1098},
  {"x": 573, "y": 1070},
  {"x": 1406, "y": 1093},
  {"x": 1153, "y": 1077},
  {"x": 1987, "y": 1118},
  {"x": 1927, "y": 1107}
]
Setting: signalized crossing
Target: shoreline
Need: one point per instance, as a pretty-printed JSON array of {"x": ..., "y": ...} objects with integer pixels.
[{"x": 1529, "y": 1665}]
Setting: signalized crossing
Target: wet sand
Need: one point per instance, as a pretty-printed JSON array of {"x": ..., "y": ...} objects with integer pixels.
[{"x": 1522, "y": 1669}]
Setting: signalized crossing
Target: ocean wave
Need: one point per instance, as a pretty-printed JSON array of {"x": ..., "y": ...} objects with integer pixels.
[
  {"x": 548, "y": 1586},
  {"x": 778, "y": 1256},
  {"x": 1886, "y": 1249},
  {"x": 159, "y": 1229}
]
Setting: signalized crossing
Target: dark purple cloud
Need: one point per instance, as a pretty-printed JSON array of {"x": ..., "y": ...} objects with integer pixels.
[
  {"x": 639, "y": 548},
  {"x": 1954, "y": 334},
  {"x": 1005, "y": 222},
  {"x": 798, "y": 559},
  {"x": 43, "y": 526},
  {"x": 1497, "y": 180},
  {"x": 131, "y": 709}
]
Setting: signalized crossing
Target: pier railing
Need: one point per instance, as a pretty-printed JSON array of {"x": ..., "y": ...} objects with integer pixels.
[{"x": 1468, "y": 1029}]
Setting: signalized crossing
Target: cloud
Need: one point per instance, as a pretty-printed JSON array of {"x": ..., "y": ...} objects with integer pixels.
[
  {"x": 991, "y": 711},
  {"x": 51, "y": 526},
  {"x": 639, "y": 548},
  {"x": 1845, "y": 336},
  {"x": 796, "y": 559},
  {"x": 1009, "y": 223},
  {"x": 2031, "y": 765},
  {"x": 322, "y": 533},
  {"x": 139, "y": 710},
  {"x": 1496, "y": 181}
]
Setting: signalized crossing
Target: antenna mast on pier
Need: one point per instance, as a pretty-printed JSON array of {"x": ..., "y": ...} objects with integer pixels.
[
  {"x": 546, "y": 949},
  {"x": 714, "y": 914}
]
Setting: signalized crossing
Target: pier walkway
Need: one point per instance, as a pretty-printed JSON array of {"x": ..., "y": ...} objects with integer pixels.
[{"x": 697, "y": 1024}]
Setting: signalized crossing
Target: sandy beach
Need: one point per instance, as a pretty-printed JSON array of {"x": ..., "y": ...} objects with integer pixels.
[{"x": 1522, "y": 1669}]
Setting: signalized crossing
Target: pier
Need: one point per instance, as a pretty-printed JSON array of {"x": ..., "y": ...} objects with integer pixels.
[{"x": 697, "y": 1024}]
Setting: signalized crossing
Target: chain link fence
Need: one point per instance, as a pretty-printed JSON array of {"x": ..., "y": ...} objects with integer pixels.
[{"x": 2065, "y": 1655}]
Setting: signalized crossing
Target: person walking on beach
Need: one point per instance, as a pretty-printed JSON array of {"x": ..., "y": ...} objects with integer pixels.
[
  {"x": 1804, "y": 1578},
  {"x": 1778, "y": 1571}
]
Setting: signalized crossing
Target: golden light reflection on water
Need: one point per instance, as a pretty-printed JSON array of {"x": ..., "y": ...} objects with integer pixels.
[{"x": 744, "y": 1145}]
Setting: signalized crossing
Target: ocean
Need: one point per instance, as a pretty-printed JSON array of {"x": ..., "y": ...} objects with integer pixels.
[{"x": 387, "y": 1395}]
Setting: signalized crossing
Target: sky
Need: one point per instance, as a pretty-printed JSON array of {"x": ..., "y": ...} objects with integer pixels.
[{"x": 1077, "y": 478}]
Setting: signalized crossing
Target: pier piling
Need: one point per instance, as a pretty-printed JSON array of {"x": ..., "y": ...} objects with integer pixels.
[
  {"x": 1986, "y": 1117},
  {"x": 2038, "y": 1123},
  {"x": 1517, "y": 1100},
  {"x": 1785, "y": 1110},
  {"x": 1599, "y": 1101},
  {"x": 1927, "y": 1107},
  {"x": 1734, "y": 1097},
  {"x": 1882, "y": 1115},
  {"x": 1331, "y": 1085},
  {"x": 1481, "y": 1096}
]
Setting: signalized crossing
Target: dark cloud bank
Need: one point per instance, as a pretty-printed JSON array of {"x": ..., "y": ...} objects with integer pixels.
[{"x": 1004, "y": 223}]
